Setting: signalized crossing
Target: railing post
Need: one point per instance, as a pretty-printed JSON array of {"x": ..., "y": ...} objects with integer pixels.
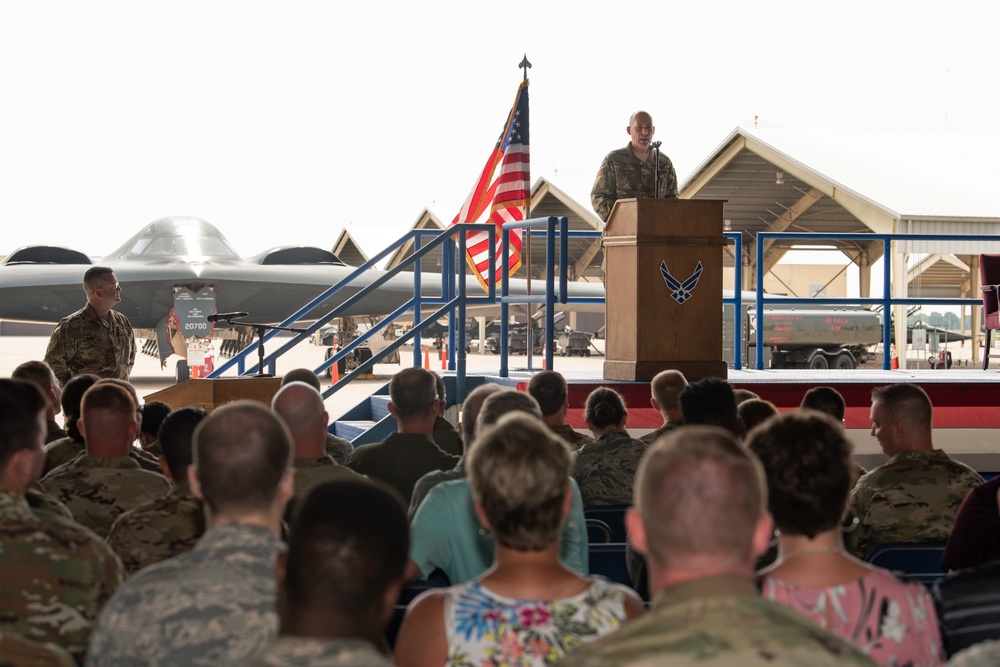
[
  {"x": 738, "y": 304},
  {"x": 448, "y": 279},
  {"x": 550, "y": 287},
  {"x": 460, "y": 352},
  {"x": 504, "y": 307},
  {"x": 416, "y": 299},
  {"x": 759, "y": 268},
  {"x": 886, "y": 302}
]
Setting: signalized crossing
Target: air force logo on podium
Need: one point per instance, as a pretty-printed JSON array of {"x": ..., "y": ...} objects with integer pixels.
[{"x": 681, "y": 291}]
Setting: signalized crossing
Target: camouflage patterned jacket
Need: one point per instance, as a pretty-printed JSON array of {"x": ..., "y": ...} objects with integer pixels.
[
  {"x": 85, "y": 343},
  {"x": 623, "y": 176},
  {"x": 97, "y": 490},
  {"x": 605, "y": 469},
  {"x": 307, "y": 652},
  {"x": 56, "y": 576},
  {"x": 61, "y": 451},
  {"x": 667, "y": 427},
  {"x": 912, "y": 497},
  {"x": 309, "y": 473},
  {"x": 159, "y": 529},
  {"x": 447, "y": 437},
  {"x": 719, "y": 621},
  {"x": 215, "y": 605},
  {"x": 570, "y": 436},
  {"x": 339, "y": 448}
]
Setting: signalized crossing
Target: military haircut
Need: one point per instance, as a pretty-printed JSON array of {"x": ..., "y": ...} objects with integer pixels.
[
  {"x": 241, "y": 452},
  {"x": 126, "y": 385},
  {"x": 605, "y": 407},
  {"x": 907, "y": 403},
  {"x": 471, "y": 408},
  {"x": 72, "y": 398},
  {"x": 807, "y": 461},
  {"x": 519, "y": 473},
  {"x": 20, "y": 403},
  {"x": 439, "y": 388},
  {"x": 755, "y": 411},
  {"x": 550, "y": 390},
  {"x": 412, "y": 392},
  {"x": 108, "y": 396},
  {"x": 92, "y": 278},
  {"x": 699, "y": 494},
  {"x": 740, "y": 395},
  {"x": 349, "y": 543},
  {"x": 300, "y": 406},
  {"x": 36, "y": 372},
  {"x": 176, "y": 436},
  {"x": 302, "y": 375},
  {"x": 710, "y": 402},
  {"x": 504, "y": 402},
  {"x": 825, "y": 399},
  {"x": 667, "y": 387},
  {"x": 153, "y": 414}
]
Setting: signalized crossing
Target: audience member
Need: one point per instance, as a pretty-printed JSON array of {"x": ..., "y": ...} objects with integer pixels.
[
  {"x": 701, "y": 519},
  {"x": 605, "y": 469},
  {"x": 339, "y": 448},
  {"x": 56, "y": 573},
  {"x": 710, "y": 402},
  {"x": 145, "y": 460},
  {"x": 66, "y": 449},
  {"x": 755, "y": 411},
  {"x": 984, "y": 654},
  {"x": 550, "y": 390},
  {"x": 807, "y": 461},
  {"x": 912, "y": 497},
  {"x": 975, "y": 536},
  {"x": 216, "y": 604},
  {"x": 39, "y": 374},
  {"x": 446, "y": 436},
  {"x": 829, "y": 401},
  {"x": 172, "y": 524},
  {"x": 470, "y": 413},
  {"x": 341, "y": 577},
  {"x": 666, "y": 389},
  {"x": 302, "y": 409},
  {"x": 104, "y": 482},
  {"x": 407, "y": 455},
  {"x": 968, "y": 606},
  {"x": 153, "y": 414},
  {"x": 445, "y": 533},
  {"x": 740, "y": 395},
  {"x": 528, "y": 605}
]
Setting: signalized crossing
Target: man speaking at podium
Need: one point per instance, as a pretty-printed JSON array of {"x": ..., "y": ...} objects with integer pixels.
[{"x": 630, "y": 172}]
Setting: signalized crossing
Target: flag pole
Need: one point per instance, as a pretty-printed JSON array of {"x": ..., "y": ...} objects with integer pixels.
[{"x": 525, "y": 65}]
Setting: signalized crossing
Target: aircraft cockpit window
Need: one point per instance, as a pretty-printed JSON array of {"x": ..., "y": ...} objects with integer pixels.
[{"x": 183, "y": 246}]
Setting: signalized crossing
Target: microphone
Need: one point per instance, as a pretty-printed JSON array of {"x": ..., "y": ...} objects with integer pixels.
[
  {"x": 225, "y": 316},
  {"x": 655, "y": 144}
]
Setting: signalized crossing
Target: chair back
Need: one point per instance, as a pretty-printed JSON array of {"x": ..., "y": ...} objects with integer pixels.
[
  {"x": 598, "y": 532},
  {"x": 613, "y": 516},
  {"x": 920, "y": 561},
  {"x": 989, "y": 278}
]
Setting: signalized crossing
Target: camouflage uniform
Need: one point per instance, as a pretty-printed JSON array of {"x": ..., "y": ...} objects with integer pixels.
[
  {"x": 624, "y": 176},
  {"x": 17, "y": 651},
  {"x": 309, "y": 473},
  {"x": 39, "y": 500},
  {"x": 308, "y": 651},
  {"x": 718, "y": 621},
  {"x": 154, "y": 450},
  {"x": 605, "y": 469},
  {"x": 432, "y": 479},
  {"x": 570, "y": 436},
  {"x": 85, "y": 343},
  {"x": 160, "y": 529},
  {"x": 339, "y": 448},
  {"x": 214, "y": 605},
  {"x": 145, "y": 460},
  {"x": 667, "y": 427},
  {"x": 912, "y": 497},
  {"x": 97, "y": 490},
  {"x": 53, "y": 431},
  {"x": 447, "y": 437},
  {"x": 56, "y": 576},
  {"x": 60, "y": 452}
]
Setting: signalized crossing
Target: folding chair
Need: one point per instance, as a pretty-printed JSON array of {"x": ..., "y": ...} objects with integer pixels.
[
  {"x": 989, "y": 277},
  {"x": 920, "y": 561}
]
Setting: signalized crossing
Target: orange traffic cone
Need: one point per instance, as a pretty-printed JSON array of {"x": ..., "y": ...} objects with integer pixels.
[
  {"x": 335, "y": 371},
  {"x": 427, "y": 358},
  {"x": 895, "y": 358},
  {"x": 444, "y": 357}
]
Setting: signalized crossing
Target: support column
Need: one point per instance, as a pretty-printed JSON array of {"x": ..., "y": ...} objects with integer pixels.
[
  {"x": 899, "y": 290},
  {"x": 977, "y": 311},
  {"x": 864, "y": 277},
  {"x": 482, "y": 334}
]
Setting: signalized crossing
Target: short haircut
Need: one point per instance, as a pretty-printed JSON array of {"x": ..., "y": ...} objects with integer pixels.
[
  {"x": 755, "y": 411},
  {"x": 72, "y": 397},
  {"x": 153, "y": 414},
  {"x": 346, "y": 558},
  {"x": 110, "y": 397},
  {"x": 176, "y": 438},
  {"x": 907, "y": 402},
  {"x": 825, "y": 399},
  {"x": 471, "y": 407},
  {"x": 740, "y": 395},
  {"x": 667, "y": 387},
  {"x": 550, "y": 390},
  {"x": 605, "y": 407},
  {"x": 36, "y": 372},
  {"x": 439, "y": 388},
  {"x": 241, "y": 452},
  {"x": 412, "y": 392},
  {"x": 126, "y": 385},
  {"x": 20, "y": 403},
  {"x": 807, "y": 460},
  {"x": 302, "y": 375},
  {"x": 92, "y": 278},
  {"x": 504, "y": 402},
  {"x": 710, "y": 402},
  {"x": 300, "y": 406},
  {"x": 519, "y": 472},
  {"x": 699, "y": 494}
]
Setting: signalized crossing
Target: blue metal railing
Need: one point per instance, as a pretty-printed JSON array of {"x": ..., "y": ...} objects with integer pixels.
[{"x": 886, "y": 300}]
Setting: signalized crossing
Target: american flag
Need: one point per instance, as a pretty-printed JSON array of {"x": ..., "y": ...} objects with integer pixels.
[{"x": 506, "y": 195}]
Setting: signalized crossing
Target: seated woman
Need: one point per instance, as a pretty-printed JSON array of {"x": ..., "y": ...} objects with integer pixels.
[
  {"x": 807, "y": 461},
  {"x": 528, "y": 609},
  {"x": 605, "y": 469}
]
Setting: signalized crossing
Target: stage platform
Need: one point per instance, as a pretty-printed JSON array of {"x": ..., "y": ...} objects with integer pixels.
[{"x": 966, "y": 403}]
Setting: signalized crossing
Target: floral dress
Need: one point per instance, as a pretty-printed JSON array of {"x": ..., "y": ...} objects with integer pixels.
[
  {"x": 487, "y": 630},
  {"x": 891, "y": 620}
]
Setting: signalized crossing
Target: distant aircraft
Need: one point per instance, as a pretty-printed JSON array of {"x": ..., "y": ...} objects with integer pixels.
[{"x": 177, "y": 271}]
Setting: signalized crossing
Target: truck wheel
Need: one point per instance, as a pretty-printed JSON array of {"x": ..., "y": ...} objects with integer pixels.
[
  {"x": 844, "y": 362},
  {"x": 182, "y": 371},
  {"x": 819, "y": 362}
]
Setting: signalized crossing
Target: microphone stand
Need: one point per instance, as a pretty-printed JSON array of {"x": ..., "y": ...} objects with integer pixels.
[
  {"x": 260, "y": 330},
  {"x": 656, "y": 169}
]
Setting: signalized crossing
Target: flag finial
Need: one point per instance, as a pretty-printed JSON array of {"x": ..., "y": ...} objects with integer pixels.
[{"x": 525, "y": 65}]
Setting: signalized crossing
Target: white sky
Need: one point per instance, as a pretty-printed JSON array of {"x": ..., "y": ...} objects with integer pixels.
[{"x": 282, "y": 123}]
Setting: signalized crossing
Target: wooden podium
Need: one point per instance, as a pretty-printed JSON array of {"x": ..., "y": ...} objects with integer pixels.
[
  {"x": 663, "y": 311},
  {"x": 210, "y": 394}
]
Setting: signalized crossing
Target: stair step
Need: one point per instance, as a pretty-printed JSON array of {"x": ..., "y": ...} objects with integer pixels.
[
  {"x": 352, "y": 429},
  {"x": 379, "y": 406}
]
